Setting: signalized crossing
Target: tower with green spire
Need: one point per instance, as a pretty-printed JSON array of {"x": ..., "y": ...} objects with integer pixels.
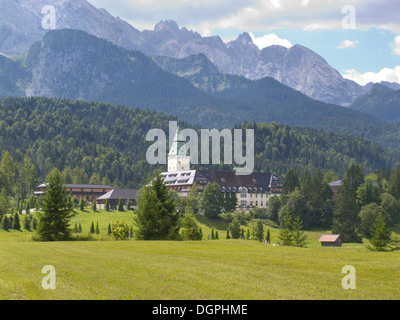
[{"x": 178, "y": 157}]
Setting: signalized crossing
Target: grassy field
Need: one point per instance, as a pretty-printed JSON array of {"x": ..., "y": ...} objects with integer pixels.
[{"x": 206, "y": 270}]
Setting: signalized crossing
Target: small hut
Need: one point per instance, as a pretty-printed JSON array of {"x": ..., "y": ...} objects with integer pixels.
[{"x": 330, "y": 241}]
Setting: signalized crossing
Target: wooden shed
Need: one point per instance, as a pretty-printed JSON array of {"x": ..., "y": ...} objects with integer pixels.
[{"x": 330, "y": 240}]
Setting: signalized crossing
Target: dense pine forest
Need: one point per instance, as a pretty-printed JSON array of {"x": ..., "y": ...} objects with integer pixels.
[{"x": 102, "y": 143}]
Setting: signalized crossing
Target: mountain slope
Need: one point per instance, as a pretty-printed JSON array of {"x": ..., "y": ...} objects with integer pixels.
[
  {"x": 381, "y": 102},
  {"x": 297, "y": 67},
  {"x": 75, "y": 65},
  {"x": 21, "y": 23}
]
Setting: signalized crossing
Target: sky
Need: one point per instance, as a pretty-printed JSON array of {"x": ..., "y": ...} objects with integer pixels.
[{"x": 359, "y": 38}]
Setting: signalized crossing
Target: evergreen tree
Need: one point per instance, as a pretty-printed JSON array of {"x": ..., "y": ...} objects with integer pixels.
[
  {"x": 346, "y": 220},
  {"x": 291, "y": 182},
  {"x": 97, "y": 228},
  {"x": 299, "y": 237},
  {"x": 16, "y": 223},
  {"x": 189, "y": 228},
  {"x": 286, "y": 233},
  {"x": 80, "y": 228},
  {"x": 57, "y": 211},
  {"x": 28, "y": 222},
  {"x": 259, "y": 231},
  {"x": 228, "y": 236},
  {"x": 120, "y": 205},
  {"x": 92, "y": 228},
  {"x": 107, "y": 205},
  {"x": 156, "y": 218},
  {"x": 234, "y": 227},
  {"x": 76, "y": 230},
  {"x": 5, "y": 223},
  {"x": 274, "y": 205},
  {"x": 248, "y": 234},
  {"x": 94, "y": 206},
  {"x": 128, "y": 204},
  {"x": 216, "y": 235},
  {"x": 268, "y": 237},
  {"x": 212, "y": 234},
  {"x": 109, "y": 229},
  {"x": 381, "y": 233},
  {"x": 82, "y": 205}
]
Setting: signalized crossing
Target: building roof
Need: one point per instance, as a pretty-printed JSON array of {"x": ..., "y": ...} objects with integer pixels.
[
  {"x": 329, "y": 238},
  {"x": 229, "y": 181},
  {"x": 116, "y": 194},
  {"x": 179, "y": 145},
  {"x": 337, "y": 183},
  {"x": 181, "y": 178},
  {"x": 80, "y": 186}
]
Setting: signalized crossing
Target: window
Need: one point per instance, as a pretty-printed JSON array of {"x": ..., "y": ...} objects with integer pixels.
[{"x": 243, "y": 193}]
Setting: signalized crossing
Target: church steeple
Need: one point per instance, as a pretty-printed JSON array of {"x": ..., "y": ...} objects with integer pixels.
[{"x": 178, "y": 157}]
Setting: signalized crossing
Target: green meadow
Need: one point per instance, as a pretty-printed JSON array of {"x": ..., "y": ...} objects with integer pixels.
[{"x": 205, "y": 270}]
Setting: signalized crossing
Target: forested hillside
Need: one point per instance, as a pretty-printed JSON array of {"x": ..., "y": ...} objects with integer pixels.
[
  {"x": 74, "y": 65},
  {"x": 101, "y": 143}
]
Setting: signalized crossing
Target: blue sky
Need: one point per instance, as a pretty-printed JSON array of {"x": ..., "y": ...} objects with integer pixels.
[{"x": 359, "y": 38}]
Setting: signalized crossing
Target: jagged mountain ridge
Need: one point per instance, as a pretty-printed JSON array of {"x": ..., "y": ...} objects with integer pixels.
[
  {"x": 297, "y": 67},
  {"x": 75, "y": 65}
]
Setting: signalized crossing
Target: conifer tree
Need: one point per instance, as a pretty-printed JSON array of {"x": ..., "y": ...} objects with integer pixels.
[
  {"x": 380, "y": 235},
  {"x": 5, "y": 223},
  {"x": 97, "y": 228},
  {"x": 286, "y": 233},
  {"x": 92, "y": 228},
  {"x": 94, "y": 206},
  {"x": 259, "y": 231},
  {"x": 82, "y": 205},
  {"x": 268, "y": 237},
  {"x": 57, "y": 211},
  {"x": 107, "y": 205},
  {"x": 299, "y": 237},
  {"x": 120, "y": 205},
  {"x": 227, "y": 234},
  {"x": 346, "y": 220},
  {"x": 156, "y": 218},
  {"x": 16, "y": 223},
  {"x": 27, "y": 222}
]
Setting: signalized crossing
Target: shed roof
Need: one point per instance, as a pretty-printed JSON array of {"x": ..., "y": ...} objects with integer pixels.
[{"x": 329, "y": 238}]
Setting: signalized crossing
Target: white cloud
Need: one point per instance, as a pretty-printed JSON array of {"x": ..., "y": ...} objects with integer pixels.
[
  {"x": 345, "y": 44},
  {"x": 386, "y": 74},
  {"x": 396, "y": 49},
  {"x": 270, "y": 40}
]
